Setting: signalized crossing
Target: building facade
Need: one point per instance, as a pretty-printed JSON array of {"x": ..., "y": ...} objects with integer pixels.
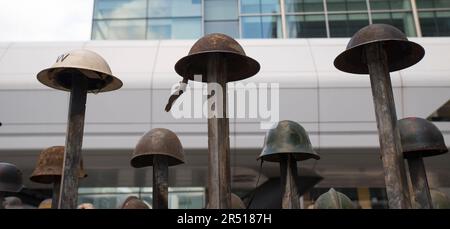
[{"x": 294, "y": 41}]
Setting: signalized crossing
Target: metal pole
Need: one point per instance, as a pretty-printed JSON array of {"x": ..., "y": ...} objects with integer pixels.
[
  {"x": 389, "y": 136},
  {"x": 419, "y": 183},
  {"x": 74, "y": 139},
  {"x": 55, "y": 197},
  {"x": 160, "y": 182},
  {"x": 219, "y": 190},
  {"x": 289, "y": 192}
]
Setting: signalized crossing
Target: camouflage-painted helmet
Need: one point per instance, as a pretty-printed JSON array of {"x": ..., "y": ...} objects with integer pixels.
[
  {"x": 10, "y": 178},
  {"x": 80, "y": 62},
  {"x": 236, "y": 202},
  {"x": 158, "y": 141},
  {"x": 420, "y": 138},
  {"x": 49, "y": 166},
  {"x": 287, "y": 137},
  {"x": 440, "y": 199},
  {"x": 333, "y": 200},
  {"x": 133, "y": 202}
]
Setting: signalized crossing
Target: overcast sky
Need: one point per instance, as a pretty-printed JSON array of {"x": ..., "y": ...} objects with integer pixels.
[{"x": 45, "y": 20}]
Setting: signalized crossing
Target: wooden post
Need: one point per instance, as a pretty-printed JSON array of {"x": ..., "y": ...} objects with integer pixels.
[
  {"x": 160, "y": 182},
  {"x": 55, "y": 197},
  {"x": 219, "y": 190},
  {"x": 389, "y": 136},
  {"x": 289, "y": 191},
  {"x": 419, "y": 183},
  {"x": 74, "y": 139}
]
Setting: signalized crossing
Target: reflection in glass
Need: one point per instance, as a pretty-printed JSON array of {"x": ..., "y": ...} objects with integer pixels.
[
  {"x": 345, "y": 25},
  {"x": 118, "y": 30},
  {"x": 105, "y": 9},
  {"x": 174, "y": 28},
  {"x": 435, "y": 23},
  {"x": 304, "y": 5},
  {"x": 421, "y": 4},
  {"x": 303, "y": 26},
  {"x": 230, "y": 28},
  {"x": 346, "y": 5},
  {"x": 402, "y": 21},
  {"x": 260, "y": 6},
  {"x": 390, "y": 4},
  {"x": 221, "y": 9},
  {"x": 261, "y": 27},
  {"x": 174, "y": 8}
]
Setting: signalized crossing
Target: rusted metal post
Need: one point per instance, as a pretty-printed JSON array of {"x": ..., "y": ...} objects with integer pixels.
[
  {"x": 419, "y": 183},
  {"x": 160, "y": 182},
  {"x": 55, "y": 197},
  {"x": 389, "y": 136},
  {"x": 219, "y": 190},
  {"x": 289, "y": 192},
  {"x": 74, "y": 139}
]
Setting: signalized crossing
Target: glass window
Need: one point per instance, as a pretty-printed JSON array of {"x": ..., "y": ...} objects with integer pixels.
[
  {"x": 105, "y": 9},
  {"x": 261, "y": 27},
  {"x": 118, "y": 29},
  {"x": 345, "y": 25},
  {"x": 221, "y": 10},
  {"x": 174, "y": 8},
  {"x": 435, "y": 23},
  {"x": 390, "y": 4},
  {"x": 304, "y": 5},
  {"x": 302, "y": 26},
  {"x": 433, "y": 4},
  {"x": 230, "y": 28},
  {"x": 174, "y": 28},
  {"x": 346, "y": 5},
  {"x": 260, "y": 6},
  {"x": 401, "y": 20}
]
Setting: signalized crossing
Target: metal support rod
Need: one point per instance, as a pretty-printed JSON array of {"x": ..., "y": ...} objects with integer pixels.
[
  {"x": 74, "y": 139},
  {"x": 160, "y": 182},
  {"x": 55, "y": 197},
  {"x": 219, "y": 190},
  {"x": 289, "y": 191},
  {"x": 389, "y": 136},
  {"x": 419, "y": 183}
]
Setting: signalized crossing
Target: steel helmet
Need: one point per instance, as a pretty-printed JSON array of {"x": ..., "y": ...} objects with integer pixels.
[
  {"x": 420, "y": 138},
  {"x": 46, "y": 204},
  {"x": 49, "y": 166},
  {"x": 133, "y": 202},
  {"x": 236, "y": 202},
  {"x": 10, "y": 178},
  {"x": 81, "y": 62},
  {"x": 333, "y": 200},
  {"x": 400, "y": 52},
  {"x": 158, "y": 141},
  {"x": 239, "y": 65},
  {"x": 440, "y": 199},
  {"x": 287, "y": 137}
]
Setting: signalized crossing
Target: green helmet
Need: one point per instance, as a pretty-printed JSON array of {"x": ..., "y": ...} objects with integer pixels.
[
  {"x": 440, "y": 199},
  {"x": 333, "y": 200},
  {"x": 287, "y": 137}
]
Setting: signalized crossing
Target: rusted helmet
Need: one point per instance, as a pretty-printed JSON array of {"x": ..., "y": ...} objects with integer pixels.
[
  {"x": 236, "y": 202},
  {"x": 440, "y": 200},
  {"x": 49, "y": 166},
  {"x": 287, "y": 137},
  {"x": 420, "y": 138},
  {"x": 158, "y": 141},
  {"x": 10, "y": 178},
  {"x": 333, "y": 200},
  {"x": 400, "y": 52},
  {"x": 81, "y": 62},
  {"x": 133, "y": 202},
  {"x": 46, "y": 204},
  {"x": 239, "y": 65}
]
